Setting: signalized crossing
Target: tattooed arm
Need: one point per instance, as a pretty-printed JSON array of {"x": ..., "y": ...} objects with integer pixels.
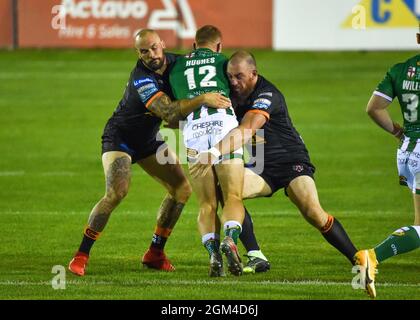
[{"x": 173, "y": 111}]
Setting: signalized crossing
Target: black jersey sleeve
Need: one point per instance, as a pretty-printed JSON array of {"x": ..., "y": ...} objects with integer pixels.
[
  {"x": 146, "y": 86},
  {"x": 263, "y": 103}
]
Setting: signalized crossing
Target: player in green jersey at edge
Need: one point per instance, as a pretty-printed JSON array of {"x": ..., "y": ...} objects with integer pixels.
[
  {"x": 402, "y": 81},
  {"x": 201, "y": 71}
]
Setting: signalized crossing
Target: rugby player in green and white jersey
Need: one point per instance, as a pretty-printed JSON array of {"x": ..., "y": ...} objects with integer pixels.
[
  {"x": 402, "y": 81},
  {"x": 201, "y": 71}
]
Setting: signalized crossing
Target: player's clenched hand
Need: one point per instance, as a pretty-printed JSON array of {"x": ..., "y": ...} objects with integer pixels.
[
  {"x": 397, "y": 131},
  {"x": 216, "y": 100},
  {"x": 202, "y": 163}
]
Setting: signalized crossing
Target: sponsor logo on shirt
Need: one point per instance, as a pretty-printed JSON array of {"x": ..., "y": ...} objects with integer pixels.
[
  {"x": 206, "y": 132},
  {"x": 204, "y": 125},
  {"x": 146, "y": 91},
  {"x": 142, "y": 81},
  {"x": 207, "y": 128},
  {"x": 261, "y": 103}
]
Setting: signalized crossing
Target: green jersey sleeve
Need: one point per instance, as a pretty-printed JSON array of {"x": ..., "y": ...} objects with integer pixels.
[
  {"x": 402, "y": 81},
  {"x": 385, "y": 88}
]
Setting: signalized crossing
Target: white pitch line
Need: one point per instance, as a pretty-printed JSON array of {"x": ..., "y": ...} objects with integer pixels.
[{"x": 203, "y": 282}]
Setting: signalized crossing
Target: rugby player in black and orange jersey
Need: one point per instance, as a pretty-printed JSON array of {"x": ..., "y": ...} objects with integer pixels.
[
  {"x": 286, "y": 163},
  {"x": 132, "y": 136}
]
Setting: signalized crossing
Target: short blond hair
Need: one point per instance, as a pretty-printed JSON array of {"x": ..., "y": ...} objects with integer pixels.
[{"x": 207, "y": 34}]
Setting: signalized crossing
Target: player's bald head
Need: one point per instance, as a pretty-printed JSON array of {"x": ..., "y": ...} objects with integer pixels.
[
  {"x": 150, "y": 47},
  {"x": 242, "y": 73},
  {"x": 145, "y": 36},
  {"x": 243, "y": 58}
]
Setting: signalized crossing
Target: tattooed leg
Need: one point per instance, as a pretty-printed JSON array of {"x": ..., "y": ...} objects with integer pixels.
[
  {"x": 169, "y": 212},
  {"x": 172, "y": 177},
  {"x": 117, "y": 175}
]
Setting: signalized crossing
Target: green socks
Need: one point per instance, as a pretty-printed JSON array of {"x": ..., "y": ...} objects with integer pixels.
[
  {"x": 232, "y": 229},
  {"x": 233, "y": 233},
  {"x": 401, "y": 241}
]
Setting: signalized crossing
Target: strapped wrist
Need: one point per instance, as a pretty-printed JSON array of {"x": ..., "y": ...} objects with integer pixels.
[
  {"x": 215, "y": 152},
  {"x": 397, "y": 131}
]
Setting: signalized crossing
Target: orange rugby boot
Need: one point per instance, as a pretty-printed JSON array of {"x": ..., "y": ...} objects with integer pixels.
[
  {"x": 78, "y": 264},
  {"x": 156, "y": 259}
]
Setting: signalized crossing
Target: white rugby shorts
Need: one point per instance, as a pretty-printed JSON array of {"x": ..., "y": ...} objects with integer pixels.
[
  {"x": 204, "y": 133},
  {"x": 408, "y": 162}
]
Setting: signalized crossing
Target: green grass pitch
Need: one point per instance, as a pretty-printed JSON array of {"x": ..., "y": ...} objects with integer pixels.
[{"x": 54, "y": 105}]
